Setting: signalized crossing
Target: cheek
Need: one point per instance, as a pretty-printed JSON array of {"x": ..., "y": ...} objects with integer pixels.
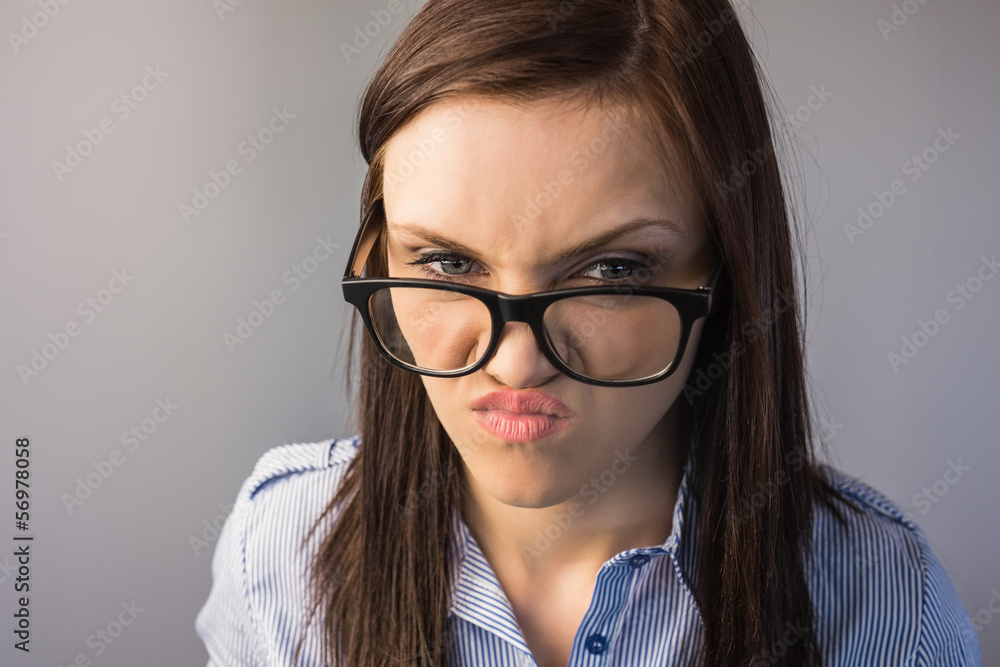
[
  {"x": 450, "y": 405},
  {"x": 441, "y": 396},
  {"x": 687, "y": 361},
  {"x": 629, "y": 413},
  {"x": 638, "y": 408}
]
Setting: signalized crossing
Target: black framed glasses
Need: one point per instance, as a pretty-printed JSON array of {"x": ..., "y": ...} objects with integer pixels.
[{"x": 608, "y": 336}]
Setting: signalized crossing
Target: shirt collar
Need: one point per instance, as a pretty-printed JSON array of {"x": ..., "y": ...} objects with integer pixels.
[{"x": 476, "y": 594}]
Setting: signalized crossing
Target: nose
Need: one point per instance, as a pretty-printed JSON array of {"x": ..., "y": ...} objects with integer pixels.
[{"x": 519, "y": 362}]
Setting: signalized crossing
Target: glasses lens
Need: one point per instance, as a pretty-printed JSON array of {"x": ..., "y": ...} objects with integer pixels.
[
  {"x": 604, "y": 337},
  {"x": 614, "y": 336},
  {"x": 431, "y": 329}
]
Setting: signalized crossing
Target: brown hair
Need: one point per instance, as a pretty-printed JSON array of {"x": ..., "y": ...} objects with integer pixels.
[{"x": 380, "y": 580}]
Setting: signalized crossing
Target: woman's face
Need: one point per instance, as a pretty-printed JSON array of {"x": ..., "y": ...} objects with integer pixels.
[{"x": 523, "y": 191}]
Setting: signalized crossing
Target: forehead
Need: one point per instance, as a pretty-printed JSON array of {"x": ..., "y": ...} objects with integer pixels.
[{"x": 519, "y": 181}]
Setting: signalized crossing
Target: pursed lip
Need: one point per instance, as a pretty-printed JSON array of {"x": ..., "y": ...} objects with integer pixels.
[{"x": 523, "y": 402}]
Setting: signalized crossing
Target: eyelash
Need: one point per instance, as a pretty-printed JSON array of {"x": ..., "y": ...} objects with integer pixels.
[{"x": 642, "y": 266}]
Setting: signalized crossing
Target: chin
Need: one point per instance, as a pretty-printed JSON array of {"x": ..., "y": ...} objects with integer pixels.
[
  {"x": 530, "y": 485},
  {"x": 527, "y": 500}
]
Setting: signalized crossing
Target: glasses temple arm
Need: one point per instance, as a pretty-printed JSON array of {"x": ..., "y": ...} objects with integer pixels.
[{"x": 363, "y": 243}]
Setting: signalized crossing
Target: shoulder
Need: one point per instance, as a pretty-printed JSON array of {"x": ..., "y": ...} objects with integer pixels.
[
  {"x": 299, "y": 468},
  {"x": 288, "y": 490},
  {"x": 257, "y": 603},
  {"x": 881, "y": 595},
  {"x": 282, "y": 499}
]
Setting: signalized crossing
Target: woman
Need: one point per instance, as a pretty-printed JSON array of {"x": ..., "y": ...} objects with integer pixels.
[{"x": 621, "y": 474}]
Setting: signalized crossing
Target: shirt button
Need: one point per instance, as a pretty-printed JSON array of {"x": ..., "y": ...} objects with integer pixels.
[
  {"x": 638, "y": 560},
  {"x": 596, "y": 644}
]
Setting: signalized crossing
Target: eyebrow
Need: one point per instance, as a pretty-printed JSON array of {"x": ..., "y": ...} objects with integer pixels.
[{"x": 568, "y": 254}]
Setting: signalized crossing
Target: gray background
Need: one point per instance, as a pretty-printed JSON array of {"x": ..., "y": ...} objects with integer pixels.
[{"x": 161, "y": 337}]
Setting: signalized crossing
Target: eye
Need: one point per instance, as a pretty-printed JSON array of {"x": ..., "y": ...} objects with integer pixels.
[
  {"x": 442, "y": 264},
  {"x": 619, "y": 269}
]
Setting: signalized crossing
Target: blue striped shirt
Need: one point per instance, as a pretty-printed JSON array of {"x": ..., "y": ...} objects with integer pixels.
[{"x": 880, "y": 594}]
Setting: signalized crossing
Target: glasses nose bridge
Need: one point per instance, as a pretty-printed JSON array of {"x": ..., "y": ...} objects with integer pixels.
[
  {"x": 527, "y": 309},
  {"x": 521, "y": 308},
  {"x": 514, "y": 309}
]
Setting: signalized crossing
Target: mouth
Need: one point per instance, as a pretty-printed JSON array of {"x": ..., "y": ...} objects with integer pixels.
[
  {"x": 519, "y": 427},
  {"x": 520, "y": 416}
]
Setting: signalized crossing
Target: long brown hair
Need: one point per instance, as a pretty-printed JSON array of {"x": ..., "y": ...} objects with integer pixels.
[{"x": 380, "y": 580}]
